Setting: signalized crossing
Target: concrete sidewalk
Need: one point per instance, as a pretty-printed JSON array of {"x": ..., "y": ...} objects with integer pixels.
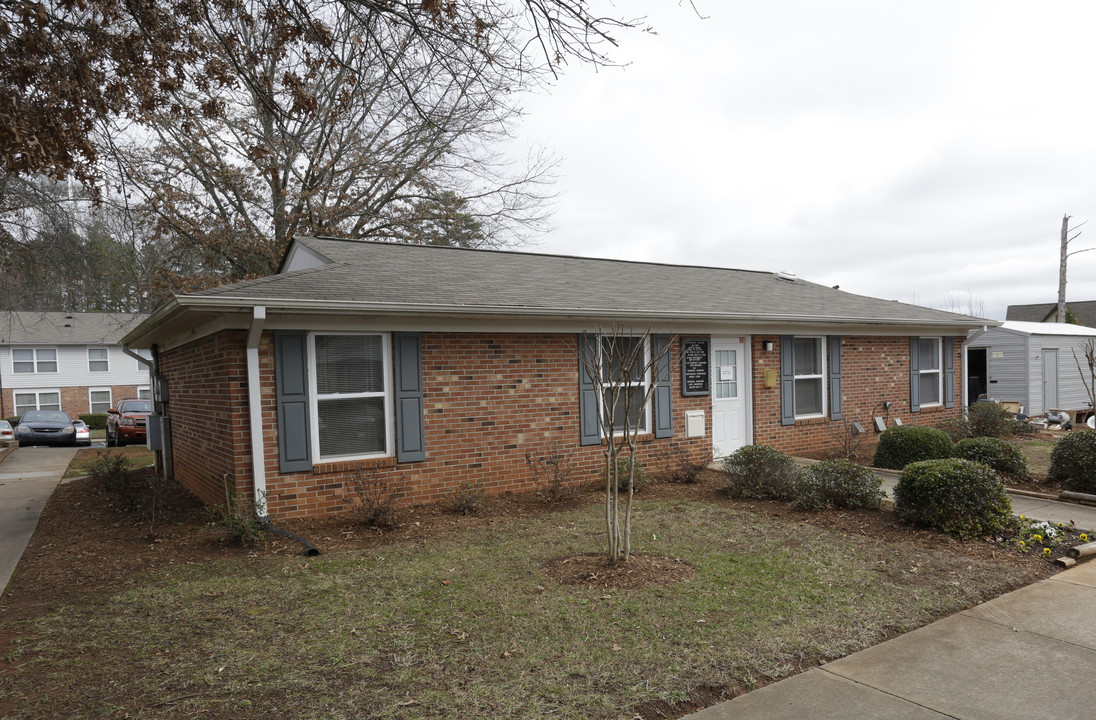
[
  {"x": 1027, "y": 654},
  {"x": 28, "y": 477}
]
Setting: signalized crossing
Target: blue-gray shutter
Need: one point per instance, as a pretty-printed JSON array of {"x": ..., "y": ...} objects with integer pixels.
[
  {"x": 915, "y": 376},
  {"x": 410, "y": 436},
  {"x": 589, "y": 423},
  {"x": 787, "y": 380},
  {"x": 835, "y": 376},
  {"x": 949, "y": 372},
  {"x": 291, "y": 389},
  {"x": 662, "y": 399}
]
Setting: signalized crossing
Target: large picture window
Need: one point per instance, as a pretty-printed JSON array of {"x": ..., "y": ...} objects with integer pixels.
[
  {"x": 809, "y": 368},
  {"x": 624, "y": 363},
  {"x": 34, "y": 360},
  {"x": 350, "y": 377},
  {"x": 928, "y": 366}
]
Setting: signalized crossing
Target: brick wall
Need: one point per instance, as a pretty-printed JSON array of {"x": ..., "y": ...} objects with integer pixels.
[
  {"x": 488, "y": 399},
  {"x": 873, "y": 369},
  {"x": 207, "y": 390}
]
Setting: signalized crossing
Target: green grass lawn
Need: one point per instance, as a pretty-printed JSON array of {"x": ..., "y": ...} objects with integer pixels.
[
  {"x": 469, "y": 625},
  {"x": 138, "y": 456}
]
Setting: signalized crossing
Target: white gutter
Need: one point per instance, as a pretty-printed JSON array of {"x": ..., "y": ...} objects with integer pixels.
[
  {"x": 255, "y": 411},
  {"x": 143, "y": 360}
]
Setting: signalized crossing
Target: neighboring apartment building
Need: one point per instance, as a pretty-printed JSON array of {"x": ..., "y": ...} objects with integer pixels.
[{"x": 67, "y": 361}]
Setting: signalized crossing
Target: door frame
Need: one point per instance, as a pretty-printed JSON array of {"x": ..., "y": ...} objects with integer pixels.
[
  {"x": 745, "y": 386},
  {"x": 1057, "y": 376}
]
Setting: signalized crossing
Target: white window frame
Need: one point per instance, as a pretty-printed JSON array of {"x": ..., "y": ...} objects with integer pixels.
[
  {"x": 110, "y": 397},
  {"x": 147, "y": 390},
  {"x": 820, "y": 376},
  {"x": 105, "y": 359},
  {"x": 938, "y": 371},
  {"x": 35, "y": 361},
  {"x": 645, "y": 383},
  {"x": 387, "y": 394},
  {"x": 37, "y": 399},
  {"x": 147, "y": 355}
]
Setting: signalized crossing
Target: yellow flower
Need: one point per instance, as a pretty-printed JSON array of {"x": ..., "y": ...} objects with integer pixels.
[
  {"x": 1023, "y": 517},
  {"x": 1023, "y": 544},
  {"x": 1037, "y": 538},
  {"x": 1046, "y": 552},
  {"x": 1084, "y": 537}
]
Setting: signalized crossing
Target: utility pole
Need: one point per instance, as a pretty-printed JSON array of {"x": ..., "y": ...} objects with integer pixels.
[{"x": 1066, "y": 240}]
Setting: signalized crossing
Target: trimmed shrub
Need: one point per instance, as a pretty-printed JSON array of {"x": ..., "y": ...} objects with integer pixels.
[
  {"x": 901, "y": 445},
  {"x": 13, "y": 420},
  {"x": 761, "y": 472},
  {"x": 1001, "y": 455},
  {"x": 960, "y": 497},
  {"x": 95, "y": 421},
  {"x": 838, "y": 484},
  {"x": 1074, "y": 461}
]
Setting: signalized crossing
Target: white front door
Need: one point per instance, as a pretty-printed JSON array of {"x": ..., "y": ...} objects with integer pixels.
[{"x": 730, "y": 393}]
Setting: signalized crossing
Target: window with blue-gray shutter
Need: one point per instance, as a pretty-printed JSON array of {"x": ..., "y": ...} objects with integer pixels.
[
  {"x": 410, "y": 437},
  {"x": 787, "y": 380},
  {"x": 915, "y": 375},
  {"x": 949, "y": 372},
  {"x": 291, "y": 389},
  {"x": 662, "y": 400},
  {"x": 835, "y": 376},
  {"x": 589, "y": 422}
]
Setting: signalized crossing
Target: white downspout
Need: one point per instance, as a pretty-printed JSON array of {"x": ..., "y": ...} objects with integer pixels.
[{"x": 255, "y": 411}]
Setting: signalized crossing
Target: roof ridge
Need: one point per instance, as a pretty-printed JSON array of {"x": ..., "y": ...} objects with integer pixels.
[{"x": 500, "y": 251}]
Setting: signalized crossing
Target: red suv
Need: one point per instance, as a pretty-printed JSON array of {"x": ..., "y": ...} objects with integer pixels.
[{"x": 126, "y": 423}]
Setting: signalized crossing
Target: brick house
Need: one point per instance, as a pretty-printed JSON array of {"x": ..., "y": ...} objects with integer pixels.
[
  {"x": 67, "y": 361},
  {"x": 430, "y": 366}
]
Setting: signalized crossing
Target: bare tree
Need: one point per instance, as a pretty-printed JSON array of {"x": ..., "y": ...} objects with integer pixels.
[
  {"x": 370, "y": 139},
  {"x": 66, "y": 67},
  {"x": 621, "y": 366},
  {"x": 1066, "y": 239}
]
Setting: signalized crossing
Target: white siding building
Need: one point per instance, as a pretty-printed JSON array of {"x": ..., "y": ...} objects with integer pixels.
[
  {"x": 67, "y": 361},
  {"x": 1031, "y": 363}
]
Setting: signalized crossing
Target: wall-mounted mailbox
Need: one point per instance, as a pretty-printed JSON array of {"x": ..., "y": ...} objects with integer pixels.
[{"x": 694, "y": 423}]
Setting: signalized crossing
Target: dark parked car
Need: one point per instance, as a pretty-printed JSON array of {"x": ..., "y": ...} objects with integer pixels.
[
  {"x": 126, "y": 423},
  {"x": 45, "y": 427}
]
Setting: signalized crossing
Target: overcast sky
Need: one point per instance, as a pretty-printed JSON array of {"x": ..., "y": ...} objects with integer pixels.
[{"x": 909, "y": 151}]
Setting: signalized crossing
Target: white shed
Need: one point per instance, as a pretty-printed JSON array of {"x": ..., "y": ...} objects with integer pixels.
[{"x": 1030, "y": 363}]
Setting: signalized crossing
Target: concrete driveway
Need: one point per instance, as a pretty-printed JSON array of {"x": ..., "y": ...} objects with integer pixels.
[{"x": 27, "y": 479}]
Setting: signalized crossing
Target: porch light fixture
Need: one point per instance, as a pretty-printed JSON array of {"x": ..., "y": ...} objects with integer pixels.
[{"x": 767, "y": 345}]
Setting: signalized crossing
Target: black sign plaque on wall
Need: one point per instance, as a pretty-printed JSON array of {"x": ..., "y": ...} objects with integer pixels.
[{"x": 695, "y": 371}]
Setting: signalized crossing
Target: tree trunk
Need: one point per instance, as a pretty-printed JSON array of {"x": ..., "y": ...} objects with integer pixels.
[{"x": 1061, "y": 312}]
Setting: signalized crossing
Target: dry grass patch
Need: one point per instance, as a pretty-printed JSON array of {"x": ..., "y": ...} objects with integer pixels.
[{"x": 473, "y": 623}]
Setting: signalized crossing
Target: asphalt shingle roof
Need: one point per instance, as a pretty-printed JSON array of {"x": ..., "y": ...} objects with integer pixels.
[
  {"x": 393, "y": 273},
  {"x": 57, "y": 328},
  {"x": 1039, "y": 312}
]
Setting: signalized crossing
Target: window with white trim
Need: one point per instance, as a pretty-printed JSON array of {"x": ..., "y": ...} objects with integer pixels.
[
  {"x": 144, "y": 392},
  {"x": 626, "y": 361},
  {"x": 351, "y": 381},
  {"x": 34, "y": 360},
  {"x": 809, "y": 371},
  {"x": 99, "y": 399},
  {"x": 36, "y": 400},
  {"x": 928, "y": 366},
  {"x": 98, "y": 359}
]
